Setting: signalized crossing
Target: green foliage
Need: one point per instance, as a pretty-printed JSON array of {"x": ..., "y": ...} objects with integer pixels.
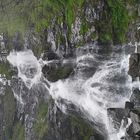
[
  {"x": 119, "y": 18},
  {"x": 40, "y": 125}
]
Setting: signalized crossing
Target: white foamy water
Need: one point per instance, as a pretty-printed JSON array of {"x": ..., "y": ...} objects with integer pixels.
[
  {"x": 29, "y": 69},
  {"x": 108, "y": 87}
]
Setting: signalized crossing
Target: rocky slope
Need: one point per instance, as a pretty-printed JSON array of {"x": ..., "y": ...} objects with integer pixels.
[{"x": 53, "y": 32}]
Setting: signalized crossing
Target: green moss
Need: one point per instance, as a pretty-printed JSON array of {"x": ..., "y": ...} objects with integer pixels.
[
  {"x": 85, "y": 130},
  {"x": 120, "y": 19},
  {"x": 71, "y": 6},
  {"x": 5, "y": 69},
  {"x": 84, "y": 28},
  {"x": 40, "y": 125},
  {"x": 106, "y": 38},
  {"x": 38, "y": 13},
  {"x": 11, "y": 18},
  {"x": 37, "y": 51},
  {"x": 18, "y": 132}
]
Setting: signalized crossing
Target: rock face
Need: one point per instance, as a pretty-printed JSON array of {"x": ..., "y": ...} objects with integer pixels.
[
  {"x": 116, "y": 114},
  {"x": 66, "y": 127},
  {"x": 132, "y": 108},
  {"x": 134, "y": 65},
  {"x": 135, "y": 97}
]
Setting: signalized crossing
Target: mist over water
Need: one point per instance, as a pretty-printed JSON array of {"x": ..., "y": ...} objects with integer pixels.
[{"x": 99, "y": 82}]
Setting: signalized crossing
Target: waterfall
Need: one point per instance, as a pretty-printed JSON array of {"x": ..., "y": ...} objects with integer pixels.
[{"x": 100, "y": 81}]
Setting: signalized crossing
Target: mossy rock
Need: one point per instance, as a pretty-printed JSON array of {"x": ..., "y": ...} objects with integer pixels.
[
  {"x": 9, "y": 112},
  {"x": 40, "y": 125},
  {"x": 84, "y": 130},
  {"x": 5, "y": 69},
  {"x": 18, "y": 131},
  {"x": 105, "y": 39},
  {"x": 55, "y": 73}
]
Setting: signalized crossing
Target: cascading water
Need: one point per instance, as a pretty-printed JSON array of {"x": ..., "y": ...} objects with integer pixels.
[
  {"x": 29, "y": 69},
  {"x": 100, "y": 81},
  {"x": 108, "y": 87}
]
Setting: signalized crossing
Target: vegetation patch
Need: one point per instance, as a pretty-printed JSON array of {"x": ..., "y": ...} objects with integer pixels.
[
  {"x": 119, "y": 18},
  {"x": 5, "y": 69},
  {"x": 85, "y": 130},
  {"x": 18, "y": 131},
  {"x": 40, "y": 124}
]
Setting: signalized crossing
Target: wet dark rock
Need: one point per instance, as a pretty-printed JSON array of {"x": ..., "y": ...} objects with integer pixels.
[
  {"x": 128, "y": 107},
  {"x": 116, "y": 114},
  {"x": 135, "y": 117},
  {"x": 18, "y": 42},
  {"x": 50, "y": 55},
  {"x": 130, "y": 131},
  {"x": 136, "y": 128},
  {"x": 134, "y": 65},
  {"x": 56, "y": 71},
  {"x": 135, "y": 97}
]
